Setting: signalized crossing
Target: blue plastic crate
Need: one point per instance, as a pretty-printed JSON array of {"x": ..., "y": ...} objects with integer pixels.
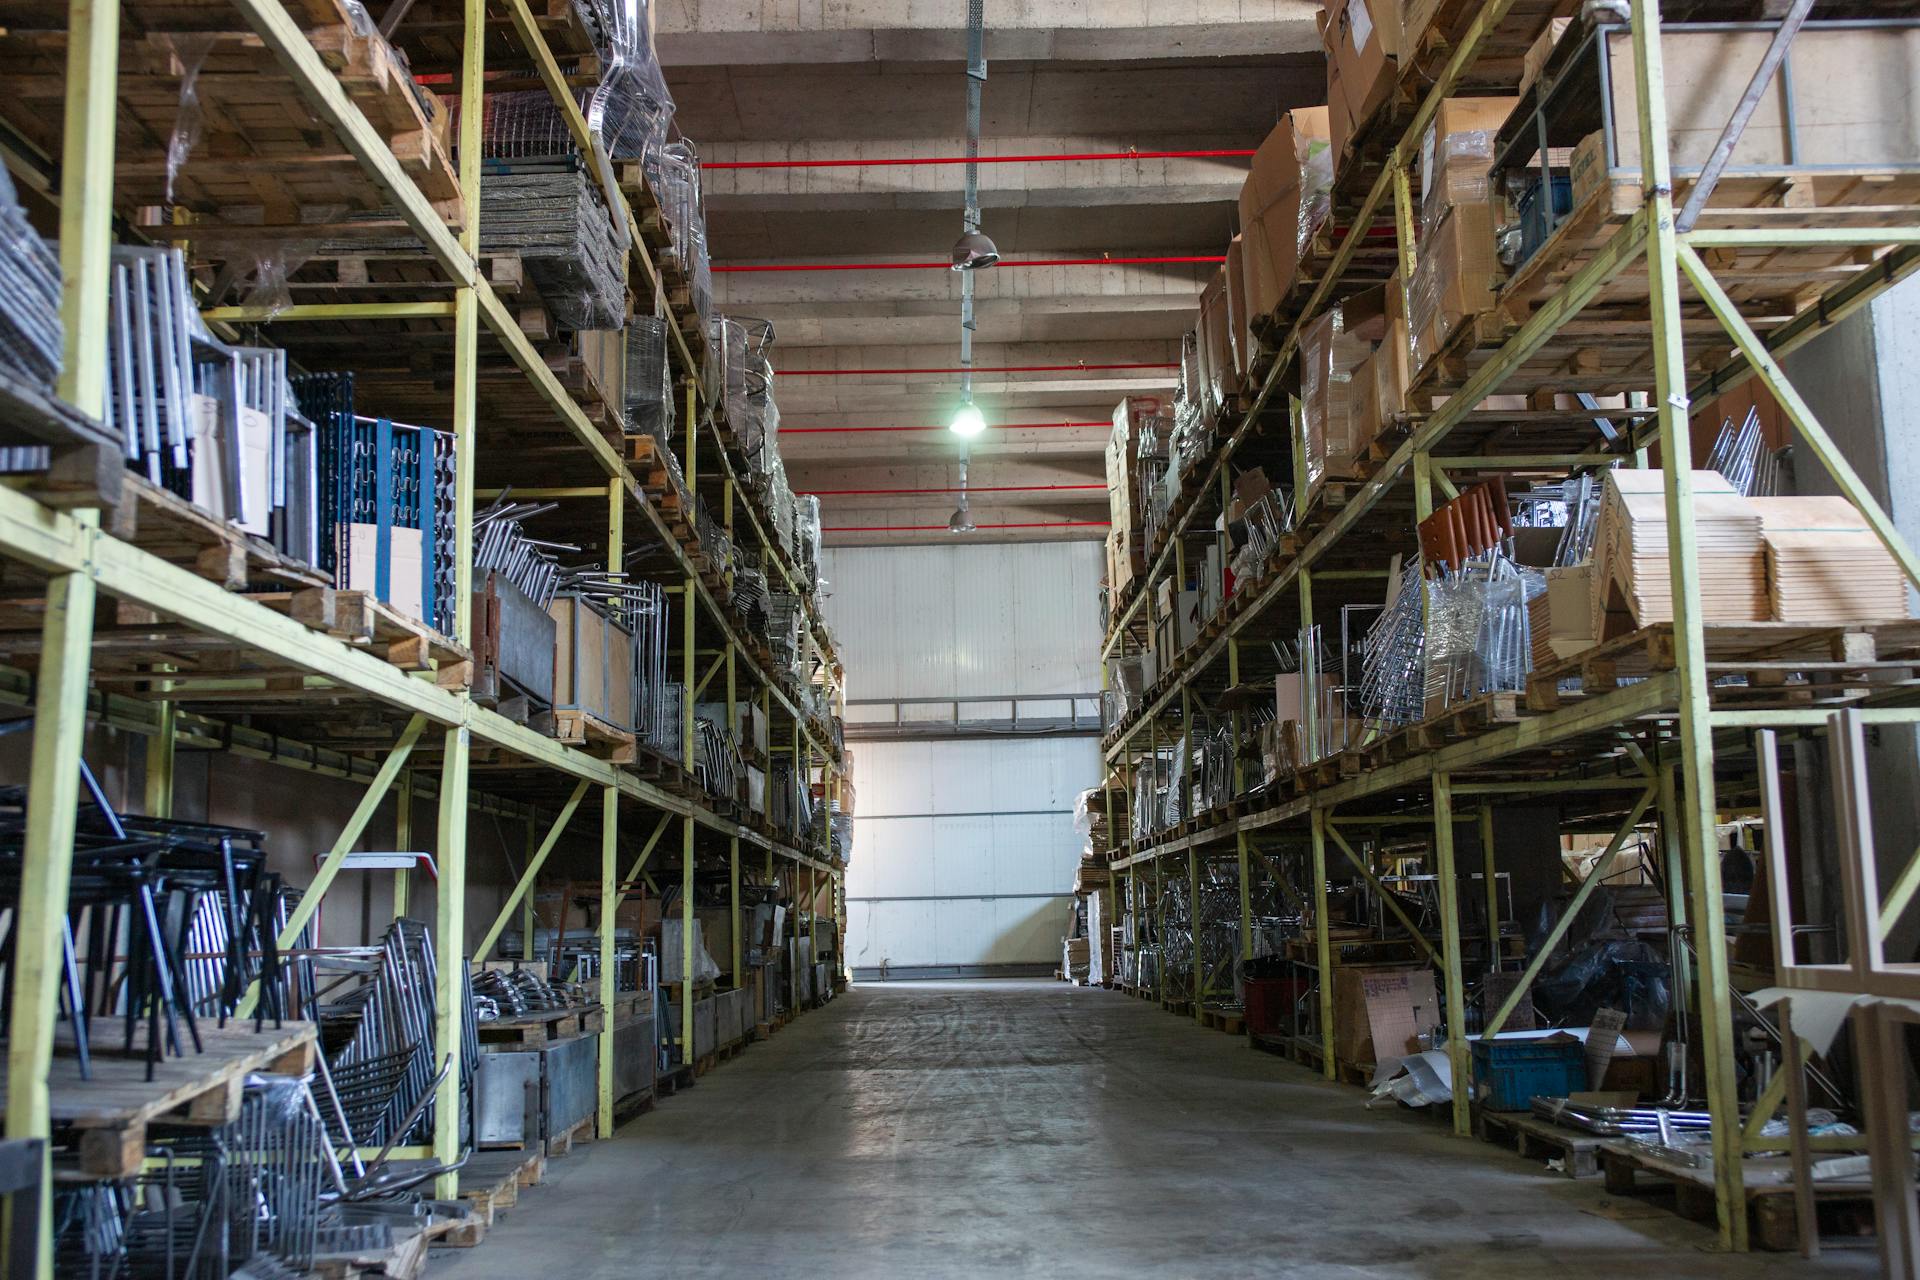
[{"x": 1517, "y": 1071}]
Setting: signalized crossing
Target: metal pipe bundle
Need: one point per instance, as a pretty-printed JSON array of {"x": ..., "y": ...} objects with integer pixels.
[{"x": 503, "y": 547}]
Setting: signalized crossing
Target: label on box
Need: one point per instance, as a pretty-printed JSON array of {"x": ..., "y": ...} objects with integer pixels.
[{"x": 1362, "y": 23}]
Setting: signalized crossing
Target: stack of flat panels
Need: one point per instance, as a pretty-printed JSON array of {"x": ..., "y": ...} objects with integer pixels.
[
  {"x": 1825, "y": 564},
  {"x": 1631, "y": 550},
  {"x": 553, "y": 215},
  {"x": 30, "y": 334}
]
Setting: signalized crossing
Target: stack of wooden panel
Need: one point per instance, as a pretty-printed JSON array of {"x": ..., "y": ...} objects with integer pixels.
[
  {"x": 1825, "y": 564},
  {"x": 1631, "y": 553}
]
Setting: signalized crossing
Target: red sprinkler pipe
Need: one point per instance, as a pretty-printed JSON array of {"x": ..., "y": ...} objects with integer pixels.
[
  {"x": 979, "y": 368},
  {"x": 1004, "y": 426},
  {"x": 944, "y": 265},
  {"x": 950, "y": 488},
  {"x": 1058, "y": 158},
  {"x": 942, "y": 528}
]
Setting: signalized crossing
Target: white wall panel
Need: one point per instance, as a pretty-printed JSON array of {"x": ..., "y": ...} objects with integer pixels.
[
  {"x": 966, "y": 621},
  {"x": 964, "y": 849}
]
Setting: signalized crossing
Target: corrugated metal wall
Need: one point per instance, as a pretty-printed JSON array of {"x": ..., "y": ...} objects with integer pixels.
[{"x": 964, "y": 850}]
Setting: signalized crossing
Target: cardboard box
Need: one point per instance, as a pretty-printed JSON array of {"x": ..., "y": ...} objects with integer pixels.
[
  {"x": 1331, "y": 349},
  {"x": 405, "y": 585},
  {"x": 1219, "y": 386},
  {"x": 1122, "y": 460},
  {"x": 1453, "y": 281},
  {"x": 1570, "y": 609},
  {"x": 1251, "y": 486},
  {"x": 1863, "y": 113},
  {"x": 1285, "y": 194},
  {"x": 1339, "y": 115},
  {"x": 1380, "y": 1013},
  {"x": 1587, "y": 170},
  {"x": 592, "y": 662},
  {"x": 1363, "y": 42},
  {"x": 1456, "y": 153},
  {"x": 1240, "y": 341},
  {"x": 1537, "y": 54}
]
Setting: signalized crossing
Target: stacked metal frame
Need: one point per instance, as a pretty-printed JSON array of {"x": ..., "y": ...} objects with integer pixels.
[
  {"x": 30, "y": 330},
  {"x": 378, "y": 476},
  {"x": 649, "y": 398}
]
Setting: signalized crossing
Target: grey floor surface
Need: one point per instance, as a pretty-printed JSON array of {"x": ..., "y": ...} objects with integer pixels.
[{"x": 1033, "y": 1128}]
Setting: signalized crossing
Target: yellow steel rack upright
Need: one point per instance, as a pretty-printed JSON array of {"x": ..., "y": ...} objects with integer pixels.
[
  {"x": 79, "y": 560},
  {"x": 1456, "y": 778}
]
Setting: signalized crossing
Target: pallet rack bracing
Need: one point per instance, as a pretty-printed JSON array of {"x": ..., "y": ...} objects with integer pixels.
[
  {"x": 285, "y": 669},
  {"x": 1673, "y": 740}
]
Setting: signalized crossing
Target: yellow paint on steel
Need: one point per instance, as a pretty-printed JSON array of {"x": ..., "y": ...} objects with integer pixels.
[{"x": 524, "y": 885}]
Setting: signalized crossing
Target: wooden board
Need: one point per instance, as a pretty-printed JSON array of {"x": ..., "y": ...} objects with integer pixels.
[{"x": 112, "y": 1110}]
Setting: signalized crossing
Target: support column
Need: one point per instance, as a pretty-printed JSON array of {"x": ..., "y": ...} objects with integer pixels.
[
  {"x": 1448, "y": 883},
  {"x": 1193, "y": 926},
  {"x": 160, "y": 756},
  {"x": 1696, "y": 790},
  {"x": 609, "y": 903},
  {"x": 686, "y": 941},
  {"x": 1492, "y": 886},
  {"x": 60, "y": 721},
  {"x": 449, "y": 940},
  {"x": 66, "y": 632},
  {"x": 527, "y": 917},
  {"x": 403, "y": 842},
  {"x": 738, "y": 970},
  {"x": 1323, "y": 943}
]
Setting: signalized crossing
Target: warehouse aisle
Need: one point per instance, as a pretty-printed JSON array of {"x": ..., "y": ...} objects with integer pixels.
[{"x": 1033, "y": 1128}]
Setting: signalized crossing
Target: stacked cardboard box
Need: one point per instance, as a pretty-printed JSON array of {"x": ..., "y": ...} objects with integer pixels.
[
  {"x": 1126, "y": 539},
  {"x": 1283, "y": 204},
  {"x": 1380, "y": 381},
  {"x": 1455, "y": 155},
  {"x": 1334, "y": 436},
  {"x": 1453, "y": 279},
  {"x": 1363, "y": 40},
  {"x": 1219, "y": 385}
]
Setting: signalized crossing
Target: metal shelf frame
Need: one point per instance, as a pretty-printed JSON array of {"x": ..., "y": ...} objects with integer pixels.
[
  {"x": 82, "y": 562},
  {"x": 1675, "y": 777}
]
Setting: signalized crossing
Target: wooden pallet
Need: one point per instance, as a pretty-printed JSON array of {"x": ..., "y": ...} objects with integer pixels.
[
  {"x": 590, "y": 733},
  {"x": 1542, "y": 1140},
  {"x": 263, "y": 159},
  {"x": 1231, "y": 1021},
  {"x": 364, "y": 621},
  {"x": 534, "y": 1029},
  {"x": 1843, "y": 1206},
  {"x": 561, "y": 1143},
  {"x": 491, "y": 1181},
  {"x": 1775, "y": 657},
  {"x": 110, "y": 1113},
  {"x": 673, "y": 1080},
  {"x": 164, "y": 524}
]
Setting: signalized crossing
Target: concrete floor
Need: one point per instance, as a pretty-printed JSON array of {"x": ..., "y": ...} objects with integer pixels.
[{"x": 1035, "y": 1128}]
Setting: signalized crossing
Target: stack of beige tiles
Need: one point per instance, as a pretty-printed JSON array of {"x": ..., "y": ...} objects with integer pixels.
[
  {"x": 1630, "y": 552},
  {"x": 1825, "y": 563}
]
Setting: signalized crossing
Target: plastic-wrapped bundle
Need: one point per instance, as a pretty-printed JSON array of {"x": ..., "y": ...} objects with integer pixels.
[
  {"x": 30, "y": 332},
  {"x": 673, "y": 175},
  {"x": 628, "y": 111},
  {"x": 1453, "y": 171},
  {"x": 1479, "y": 635},
  {"x": 809, "y": 537},
  {"x": 649, "y": 394}
]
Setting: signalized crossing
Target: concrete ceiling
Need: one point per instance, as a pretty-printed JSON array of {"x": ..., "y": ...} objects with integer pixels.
[{"x": 884, "y": 79}]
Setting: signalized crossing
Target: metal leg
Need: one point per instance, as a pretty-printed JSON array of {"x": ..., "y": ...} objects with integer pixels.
[{"x": 1323, "y": 943}]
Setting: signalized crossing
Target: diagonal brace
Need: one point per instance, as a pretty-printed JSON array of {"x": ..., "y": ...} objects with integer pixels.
[
  {"x": 525, "y": 885},
  {"x": 1727, "y": 312},
  {"x": 640, "y": 863},
  {"x": 1599, "y": 873},
  {"x": 350, "y": 834},
  {"x": 1386, "y": 896}
]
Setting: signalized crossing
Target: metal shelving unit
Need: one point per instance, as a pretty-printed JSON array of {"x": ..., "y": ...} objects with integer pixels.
[
  {"x": 1669, "y": 744},
  {"x": 420, "y": 731}
]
